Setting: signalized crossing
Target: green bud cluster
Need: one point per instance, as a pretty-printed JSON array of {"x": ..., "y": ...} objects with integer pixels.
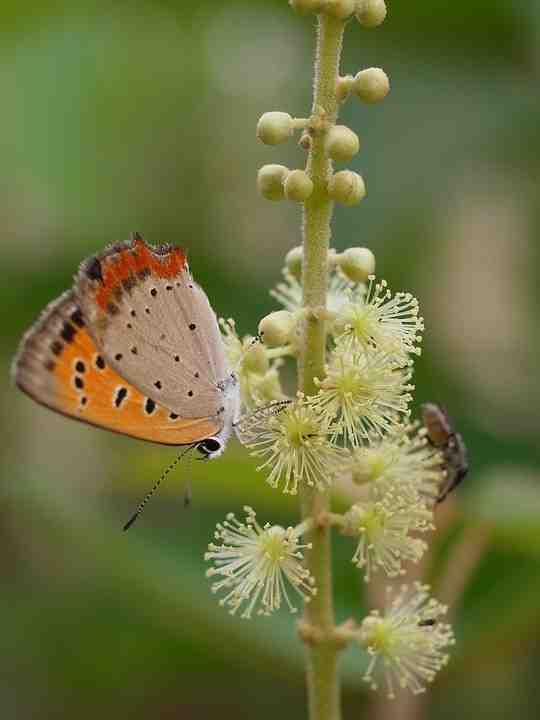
[{"x": 341, "y": 144}]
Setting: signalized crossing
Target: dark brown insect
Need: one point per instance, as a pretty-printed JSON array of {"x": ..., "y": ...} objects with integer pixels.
[
  {"x": 427, "y": 622},
  {"x": 442, "y": 435}
]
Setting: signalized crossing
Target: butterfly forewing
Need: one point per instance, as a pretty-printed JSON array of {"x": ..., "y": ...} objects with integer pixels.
[
  {"x": 155, "y": 326},
  {"x": 60, "y": 366},
  {"x": 78, "y": 359}
]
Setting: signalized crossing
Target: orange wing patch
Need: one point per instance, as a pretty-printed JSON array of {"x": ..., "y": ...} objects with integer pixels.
[
  {"x": 60, "y": 366},
  {"x": 95, "y": 393}
]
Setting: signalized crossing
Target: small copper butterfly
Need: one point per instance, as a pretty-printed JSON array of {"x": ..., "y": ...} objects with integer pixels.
[{"x": 134, "y": 347}]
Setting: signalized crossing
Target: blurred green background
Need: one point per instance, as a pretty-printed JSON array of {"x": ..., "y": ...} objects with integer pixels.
[{"x": 141, "y": 116}]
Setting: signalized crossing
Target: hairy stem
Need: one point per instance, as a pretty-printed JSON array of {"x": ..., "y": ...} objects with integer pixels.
[{"x": 322, "y": 677}]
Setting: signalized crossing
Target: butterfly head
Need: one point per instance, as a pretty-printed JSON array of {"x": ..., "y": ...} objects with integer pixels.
[{"x": 211, "y": 448}]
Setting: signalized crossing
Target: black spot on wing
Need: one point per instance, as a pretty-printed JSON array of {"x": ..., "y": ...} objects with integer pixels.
[
  {"x": 120, "y": 396},
  {"x": 149, "y": 406},
  {"x": 77, "y": 317},
  {"x": 92, "y": 269},
  {"x": 68, "y": 332}
]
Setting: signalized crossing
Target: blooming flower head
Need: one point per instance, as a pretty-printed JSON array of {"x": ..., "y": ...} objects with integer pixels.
[
  {"x": 384, "y": 529},
  {"x": 257, "y": 374},
  {"x": 407, "y": 643},
  {"x": 379, "y": 320},
  {"x": 403, "y": 459},
  {"x": 254, "y": 564},
  {"x": 366, "y": 392},
  {"x": 295, "y": 441}
]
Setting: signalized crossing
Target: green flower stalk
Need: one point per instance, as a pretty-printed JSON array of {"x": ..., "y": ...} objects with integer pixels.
[{"x": 354, "y": 342}]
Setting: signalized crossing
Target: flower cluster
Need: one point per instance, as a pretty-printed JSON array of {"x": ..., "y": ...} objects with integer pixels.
[
  {"x": 253, "y": 564},
  {"x": 357, "y": 427},
  {"x": 294, "y": 440},
  {"x": 407, "y": 642},
  {"x": 402, "y": 459},
  {"x": 385, "y": 528}
]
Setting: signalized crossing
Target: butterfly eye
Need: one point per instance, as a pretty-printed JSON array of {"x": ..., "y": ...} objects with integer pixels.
[{"x": 209, "y": 446}]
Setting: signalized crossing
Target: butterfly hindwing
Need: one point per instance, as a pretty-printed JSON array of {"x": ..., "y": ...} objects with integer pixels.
[
  {"x": 155, "y": 326},
  {"x": 60, "y": 366}
]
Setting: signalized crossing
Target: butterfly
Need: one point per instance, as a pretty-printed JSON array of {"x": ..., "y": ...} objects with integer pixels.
[{"x": 134, "y": 347}]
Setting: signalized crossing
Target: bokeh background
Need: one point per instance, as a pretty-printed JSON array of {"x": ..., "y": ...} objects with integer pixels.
[{"x": 141, "y": 116}]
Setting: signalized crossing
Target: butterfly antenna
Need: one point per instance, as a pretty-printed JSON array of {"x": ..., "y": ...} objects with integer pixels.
[
  {"x": 188, "y": 495},
  {"x": 147, "y": 497}
]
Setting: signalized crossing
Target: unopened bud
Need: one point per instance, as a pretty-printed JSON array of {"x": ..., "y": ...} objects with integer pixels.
[
  {"x": 306, "y": 6},
  {"x": 270, "y": 181},
  {"x": 274, "y": 128},
  {"x": 342, "y": 144},
  {"x": 347, "y": 188},
  {"x": 276, "y": 329},
  {"x": 370, "y": 13},
  {"x": 371, "y": 85},
  {"x": 339, "y": 8},
  {"x": 357, "y": 263},
  {"x": 298, "y": 186},
  {"x": 293, "y": 261}
]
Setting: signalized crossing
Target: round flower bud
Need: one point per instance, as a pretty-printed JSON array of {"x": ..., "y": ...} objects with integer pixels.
[
  {"x": 371, "y": 85},
  {"x": 298, "y": 186},
  {"x": 275, "y": 329},
  {"x": 274, "y": 128},
  {"x": 293, "y": 261},
  {"x": 270, "y": 181},
  {"x": 255, "y": 359},
  {"x": 347, "y": 187},
  {"x": 339, "y": 8},
  {"x": 370, "y": 13},
  {"x": 357, "y": 263},
  {"x": 342, "y": 144},
  {"x": 306, "y": 6}
]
